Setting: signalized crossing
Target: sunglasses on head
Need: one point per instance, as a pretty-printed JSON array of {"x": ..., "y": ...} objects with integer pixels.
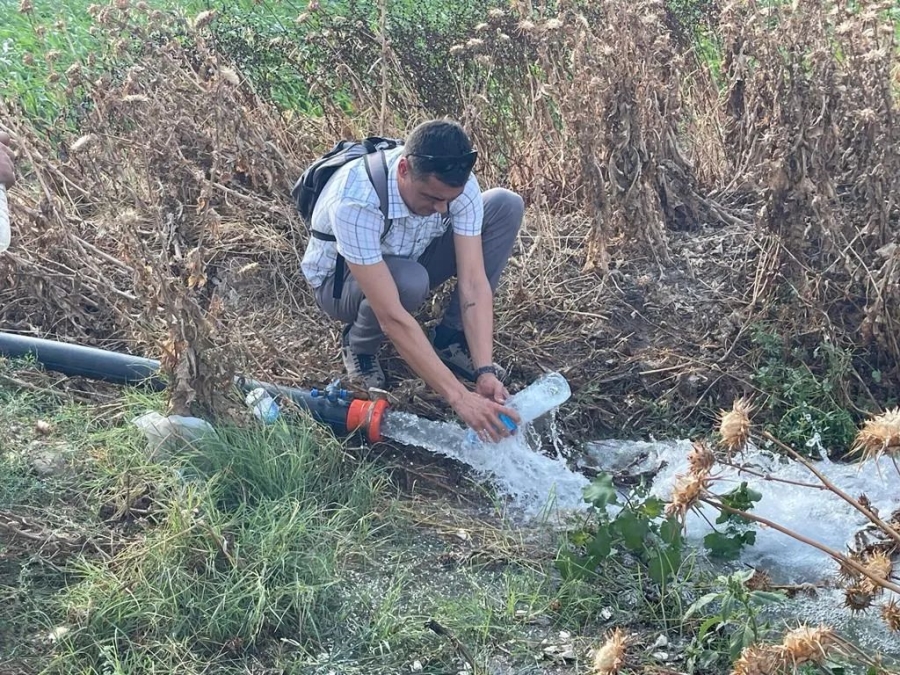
[{"x": 446, "y": 163}]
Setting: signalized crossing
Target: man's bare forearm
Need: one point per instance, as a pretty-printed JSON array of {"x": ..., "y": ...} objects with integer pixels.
[
  {"x": 413, "y": 347},
  {"x": 477, "y": 305}
]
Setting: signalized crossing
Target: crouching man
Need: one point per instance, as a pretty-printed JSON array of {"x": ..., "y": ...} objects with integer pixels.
[{"x": 436, "y": 224}]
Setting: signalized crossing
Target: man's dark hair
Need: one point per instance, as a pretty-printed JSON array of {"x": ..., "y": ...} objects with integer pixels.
[{"x": 440, "y": 148}]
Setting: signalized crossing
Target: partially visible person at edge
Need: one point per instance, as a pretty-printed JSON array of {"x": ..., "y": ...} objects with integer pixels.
[
  {"x": 7, "y": 167},
  {"x": 429, "y": 177}
]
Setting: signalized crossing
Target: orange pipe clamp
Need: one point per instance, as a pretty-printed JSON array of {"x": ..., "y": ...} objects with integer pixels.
[{"x": 367, "y": 415}]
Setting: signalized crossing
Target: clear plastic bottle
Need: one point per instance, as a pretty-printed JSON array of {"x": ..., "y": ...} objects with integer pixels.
[
  {"x": 263, "y": 405},
  {"x": 546, "y": 393}
]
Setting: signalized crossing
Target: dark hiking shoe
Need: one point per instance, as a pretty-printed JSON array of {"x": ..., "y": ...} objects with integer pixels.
[
  {"x": 363, "y": 368},
  {"x": 455, "y": 355}
]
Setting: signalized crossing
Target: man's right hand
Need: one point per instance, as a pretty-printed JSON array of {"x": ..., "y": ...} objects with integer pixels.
[
  {"x": 7, "y": 171},
  {"x": 483, "y": 416}
]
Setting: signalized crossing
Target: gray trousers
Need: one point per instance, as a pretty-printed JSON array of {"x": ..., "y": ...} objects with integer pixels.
[{"x": 503, "y": 213}]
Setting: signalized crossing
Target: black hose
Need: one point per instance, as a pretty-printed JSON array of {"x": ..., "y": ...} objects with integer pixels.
[{"x": 79, "y": 361}]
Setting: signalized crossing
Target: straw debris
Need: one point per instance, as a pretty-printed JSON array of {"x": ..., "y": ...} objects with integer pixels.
[{"x": 641, "y": 181}]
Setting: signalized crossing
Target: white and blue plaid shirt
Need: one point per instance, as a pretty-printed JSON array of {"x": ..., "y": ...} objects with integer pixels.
[{"x": 348, "y": 209}]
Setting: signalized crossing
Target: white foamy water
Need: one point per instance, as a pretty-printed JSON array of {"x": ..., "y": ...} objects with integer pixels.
[
  {"x": 534, "y": 482},
  {"x": 817, "y": 514}
]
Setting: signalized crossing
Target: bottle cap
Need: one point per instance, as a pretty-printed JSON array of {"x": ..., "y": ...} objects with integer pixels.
[{"x": 508, "y": 422}]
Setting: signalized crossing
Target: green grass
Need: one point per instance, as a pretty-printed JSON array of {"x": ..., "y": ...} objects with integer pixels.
[
  {"x": 280, "y": 549},
  {"x": 275, "y": 547}
]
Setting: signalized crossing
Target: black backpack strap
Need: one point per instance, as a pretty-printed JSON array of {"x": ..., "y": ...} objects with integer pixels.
[{"x": 378, "y": 177}]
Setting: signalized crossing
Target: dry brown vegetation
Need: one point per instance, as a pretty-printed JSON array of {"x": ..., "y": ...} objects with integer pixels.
[{"x": 667, "y": 213}]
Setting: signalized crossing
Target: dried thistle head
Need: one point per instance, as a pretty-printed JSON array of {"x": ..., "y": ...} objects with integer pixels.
[
  {"x": 880, "y": 566},
  {"x": 608, "y": 659},
  {"x": 700, "y": 458},
  {"x": 688, "y": 490},
  {"x": 858, "y": 598},
  {"x": 890, "y": 612},
  {"x": 847, "y": 573},
  {"x": 807, "y": 645},
  {"x": 879, "y": 435},
  {"x": 553, "y": 24},
  {"x": 734, "y": 425},
  {"x": 759, "y": 660}
]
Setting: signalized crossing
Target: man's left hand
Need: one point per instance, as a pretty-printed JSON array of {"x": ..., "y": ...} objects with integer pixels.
[{"x": 491, "y": 388}]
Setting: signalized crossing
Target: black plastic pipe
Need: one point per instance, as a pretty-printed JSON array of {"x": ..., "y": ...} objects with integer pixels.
[
  {"x": 124, "y": 369},
  {"x": 79, "y": 361}
]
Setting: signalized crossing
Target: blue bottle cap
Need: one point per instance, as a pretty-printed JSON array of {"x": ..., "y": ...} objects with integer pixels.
[{"x": 508, "y": 422}]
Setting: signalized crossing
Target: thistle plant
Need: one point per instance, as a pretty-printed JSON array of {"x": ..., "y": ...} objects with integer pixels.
[{"x": 864, "y": 573}]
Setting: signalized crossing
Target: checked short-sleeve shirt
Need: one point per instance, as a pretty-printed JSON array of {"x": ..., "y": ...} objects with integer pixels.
[{"x": 348, "y": 208}]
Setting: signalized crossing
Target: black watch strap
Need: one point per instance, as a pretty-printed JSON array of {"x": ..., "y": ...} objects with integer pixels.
[{"x": 492, "y": 369}]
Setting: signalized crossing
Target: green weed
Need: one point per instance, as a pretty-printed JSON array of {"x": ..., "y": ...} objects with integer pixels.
[
  {"x": 735, "y": 625},
  {"x": 640, "y": 528},
  {"x": 805, "y": 392}
]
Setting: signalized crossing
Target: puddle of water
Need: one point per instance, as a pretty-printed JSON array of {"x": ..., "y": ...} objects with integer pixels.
[{"x": 817, "y": 514}]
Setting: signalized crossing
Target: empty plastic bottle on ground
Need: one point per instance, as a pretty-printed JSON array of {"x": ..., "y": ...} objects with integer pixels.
[
  {"x": 546, "y": 393},
  {"x": 263, "y": 405}
]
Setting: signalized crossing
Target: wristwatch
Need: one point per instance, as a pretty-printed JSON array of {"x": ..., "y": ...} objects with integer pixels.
[{"x": 492, "y": 369}]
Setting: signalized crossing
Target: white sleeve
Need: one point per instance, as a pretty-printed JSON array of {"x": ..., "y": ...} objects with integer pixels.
[
  {"x": 358, "y": 228},
  {"x": 467, "y": 210}
]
